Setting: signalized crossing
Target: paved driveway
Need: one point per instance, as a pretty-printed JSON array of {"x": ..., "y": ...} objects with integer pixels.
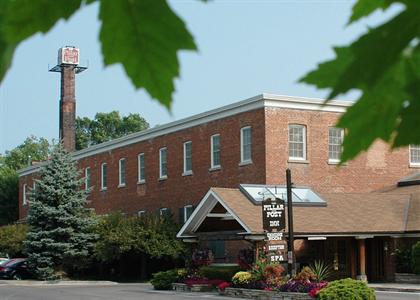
[{"x": 127, "y": 292}]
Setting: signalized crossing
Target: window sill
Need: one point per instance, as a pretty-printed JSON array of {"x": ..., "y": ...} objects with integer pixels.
[
  {"x": 121, "y": 185},
  {"x": 298, "y": 161},
  {"x": 103, "y": 189},
  {"x": 415, "y": 166},
  {"x": 163, "y": 178},
  {"x": 141, "y": 182},
  {"x": 335, "y": 163},
  {"x": 215, "y": 168},
  {"x": 245, "y": 163},
  {"x": 188, "y": 173}
]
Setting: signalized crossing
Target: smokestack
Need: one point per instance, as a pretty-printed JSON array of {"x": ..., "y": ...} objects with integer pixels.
[{"x": 68, "y": 66}]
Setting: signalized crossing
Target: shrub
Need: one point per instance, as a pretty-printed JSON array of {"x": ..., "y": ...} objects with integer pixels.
[
  {"x": 294, "y": 286},
  {"x": 415, "y": 258},
  {"x": 306, "y": 274},
  {"x": 402, "y": 260},
  {"x": 163, "y": 280},
  {"x": 222, "y": 286},
  {"x": 347, "y": 289},
  {"x": 321, "y": 270},
  {"x": 219, "y": 272},
  {"x": 242, "y": 278},
  {"x": 12, "y": 238}
]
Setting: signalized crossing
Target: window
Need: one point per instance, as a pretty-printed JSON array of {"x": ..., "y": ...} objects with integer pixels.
[
  {"x": 141, "y": 213},
  {"x": 246, "y": 142},
  {"x": 163, "y": 167},
  {"x": 121, "y": 168},
  {"x": 188, "y": 210},
  {"x": 187, "y": 158},
  {"x": 87, "y": 179},
  {"x": 141, "y": 168},
  {"x": 24, "y": 196},
  {"x": 297, "y": 142},
  {"x": 215, "y": 151},
  {"x": 414, "y": 155},
  {"x": 104, "y": 176},
  {"x": 335, "y": 140},
  {"x": 164, "y": 212}
]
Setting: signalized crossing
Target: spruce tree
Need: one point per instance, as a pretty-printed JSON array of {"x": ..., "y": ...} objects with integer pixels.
[{"x": 59, "y": 221}]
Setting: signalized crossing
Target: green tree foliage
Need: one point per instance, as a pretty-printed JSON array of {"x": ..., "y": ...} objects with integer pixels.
[
  {"x": 415, "y": 258},
  {"x": 9, "y": 191},
  {"x": 12, "y": 238},
  {"x": 32, "y": 149},
  {"x": 59, "y": 233},
  {"x": 153, "y": 235},
  {"x": 143, "y": 36},
  {"x": 384, "y": 64},
  {"x": 105, "y": 127}
]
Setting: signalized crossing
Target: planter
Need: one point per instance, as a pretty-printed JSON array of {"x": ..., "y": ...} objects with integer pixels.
[
  {"x": 264, "y": 295},
  {"x": 201, "y": 288},
  {"x": 180, "y": 287},
  {"x": 407, "y": 278}
]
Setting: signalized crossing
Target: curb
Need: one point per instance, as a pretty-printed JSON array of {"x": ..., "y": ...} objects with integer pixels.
[
  {"x": 56, "y": 283},
  {"x": 407, "y": 290}
]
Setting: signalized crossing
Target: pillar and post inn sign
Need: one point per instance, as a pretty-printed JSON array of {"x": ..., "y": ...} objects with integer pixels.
[{"x": 274, "y": 224}]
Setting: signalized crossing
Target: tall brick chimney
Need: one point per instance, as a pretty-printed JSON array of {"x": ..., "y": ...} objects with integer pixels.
[{"x": 68, "y": 66}]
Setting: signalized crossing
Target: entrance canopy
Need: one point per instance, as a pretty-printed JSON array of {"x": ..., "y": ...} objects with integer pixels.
[{"x": 236, "y": 214}]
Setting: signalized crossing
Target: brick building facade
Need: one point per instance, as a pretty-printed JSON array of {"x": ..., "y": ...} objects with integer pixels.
[{"x": 261, "y": 126}]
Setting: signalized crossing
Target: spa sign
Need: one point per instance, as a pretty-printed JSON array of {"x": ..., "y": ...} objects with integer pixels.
[{"x": 274, "y": 219}]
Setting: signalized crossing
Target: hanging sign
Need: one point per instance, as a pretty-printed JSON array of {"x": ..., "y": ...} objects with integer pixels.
[{"x": 274, "y": 219}]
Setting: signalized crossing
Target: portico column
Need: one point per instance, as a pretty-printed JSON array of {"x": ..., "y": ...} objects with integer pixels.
[{"x": 362, "y": 260}]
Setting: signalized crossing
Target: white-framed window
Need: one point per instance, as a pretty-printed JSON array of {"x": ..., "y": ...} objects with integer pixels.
[
  {"x": 24, "y": 194},
  {"x": 141, "y": 213},
  {"x": 104, "y": 176},
  {"x": 297, "y": 142},
  {"x": 87, "y": 179},
  {"x": 164, "y": 212},
  {"x": 187, "y": 158},
  {"x": 215, "y": 150},
  {"x": 163, "y": 166},
  {"x": 246, "y": 144},
  {"x": 141, "y": 170},
  {"x": 335, "y": 141},
  {"x": 414, "y": 155},
  {"x": 188, "y": 210},
  {"x": 121, "y": 172}
]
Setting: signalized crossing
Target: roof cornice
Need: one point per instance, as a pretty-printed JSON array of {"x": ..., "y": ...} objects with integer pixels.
[{"x": 260, "y": 101}]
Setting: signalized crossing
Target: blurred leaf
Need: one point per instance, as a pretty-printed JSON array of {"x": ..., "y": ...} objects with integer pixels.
[
  {"x": 145, "y": 36},
  {"x": 364, "y": 8},
  {"x": 384, "y": 65}
]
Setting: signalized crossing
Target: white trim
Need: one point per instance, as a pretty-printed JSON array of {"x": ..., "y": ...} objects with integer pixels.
[
  {"x": 161, "y": 210},
  {"x": 187, "y": 172},
  {"x": 413, "y": 164},
  {"x": 140, "y": 213},
  {"x": 120, "y": 183},
  {"x": 304, "y": 158},
  {"x": 334, "y": 161},
  {"x": 200, "y": 213},
  {"x": 257, "y": 102},
  {"x": 185, "y": 212},
  {"x": 24, "y": 196},
  {"x": 87, "y": 178},
  {"x": 245, "y": 161},
  {"x": 163, "y": 176},
  {"x": 139, "y": 166},
  {"x": 212, "y": 165},
  {"x": 104, "y": 183}
]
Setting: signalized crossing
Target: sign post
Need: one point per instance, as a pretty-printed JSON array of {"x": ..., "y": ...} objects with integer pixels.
[{"x": 290, "y": 254}]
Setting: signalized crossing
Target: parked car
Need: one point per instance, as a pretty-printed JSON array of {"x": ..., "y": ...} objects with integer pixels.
[
  {"x": 15, "y": 268},
  {"x": 3, "y": 260}
]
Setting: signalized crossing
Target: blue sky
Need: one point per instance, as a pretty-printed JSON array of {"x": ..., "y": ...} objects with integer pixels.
[{"x": 245, "y": 48}]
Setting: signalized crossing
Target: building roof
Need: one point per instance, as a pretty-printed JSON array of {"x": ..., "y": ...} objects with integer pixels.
[
  {"x": 345, "y": 214},
  {"x": 259, "y": 101}
]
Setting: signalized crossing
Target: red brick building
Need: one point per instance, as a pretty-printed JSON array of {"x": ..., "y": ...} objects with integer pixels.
[{"x": 269, "y": 126}]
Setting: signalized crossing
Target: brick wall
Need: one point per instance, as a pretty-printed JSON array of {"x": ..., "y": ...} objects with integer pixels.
[{"x": 370, "y": 171}]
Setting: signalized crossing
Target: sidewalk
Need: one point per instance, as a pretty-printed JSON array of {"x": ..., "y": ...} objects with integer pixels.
[
  {"x": 56, "y": 283},
  {"x": 396, "y": 287}
]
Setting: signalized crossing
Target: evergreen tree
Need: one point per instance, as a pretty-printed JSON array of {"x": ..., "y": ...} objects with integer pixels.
[{"x": 59, "y": 222}]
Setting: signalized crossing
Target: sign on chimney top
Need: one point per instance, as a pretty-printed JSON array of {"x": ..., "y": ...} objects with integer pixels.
[{"x": 68, "y": 55}]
